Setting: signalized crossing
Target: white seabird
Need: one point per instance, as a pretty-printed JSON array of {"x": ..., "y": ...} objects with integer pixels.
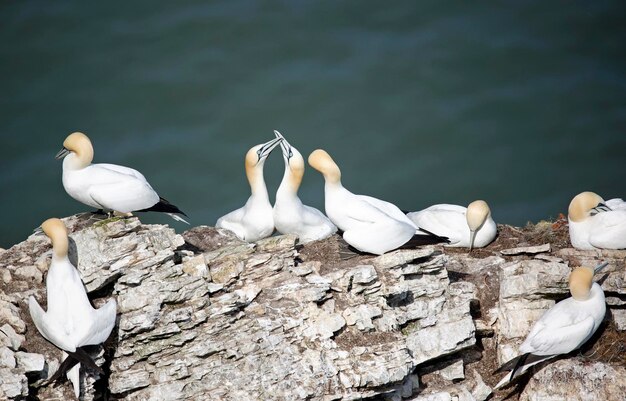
[
  {"x": 70, "y": 322},
  {"x": 564, "y": 327},
  {"x": 595, "y": 223},
  {"x": 254, "y": 220},
  {"x": 290, "y": 215},
  {"x": 470, "y": 226},
  {"x": 107, "y": 186},
  {"x": 368, "y": 224}
]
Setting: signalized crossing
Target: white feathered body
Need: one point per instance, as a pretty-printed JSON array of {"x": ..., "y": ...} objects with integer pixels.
[
  {"x": 369, "y": 224},
  {"x": 70, "y": 320},
  {"x": 291, "y": 216},
  {"x": 450, "y": 221},
  {"x": 108, "y": 187},
  {"x": 563, "y": 328},
  {"x": 604, "y": 230},
  {"x": 567, "y": 325},
  {"x": 252, "y": 222}
]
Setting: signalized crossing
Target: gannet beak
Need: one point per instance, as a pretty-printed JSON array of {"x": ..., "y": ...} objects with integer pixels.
[
  {"x": 62, "y": 153},
  {"x": 472, "y": 237},
  {"x": 278, "y": 134},
  {"x": 600, "y": 208},
  {"x": 600, "y": 267},
  {"x": 267, "y": 148},
  {"x": 284, "y": 145}
]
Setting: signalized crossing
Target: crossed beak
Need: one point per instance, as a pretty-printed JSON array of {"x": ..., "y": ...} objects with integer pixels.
[
  {"x": 284, "y": 145},
  {"x": 267, "y": 148}
]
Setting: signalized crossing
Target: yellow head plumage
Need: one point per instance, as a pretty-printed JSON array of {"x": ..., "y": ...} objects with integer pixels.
[
  {"x": 580, "y": 282},
  {"x": 57, "y": 232},
  {"x": 80, "y": 145},
  {"x": 582, "y": 203},
  {"x": 321, "y": 161},
  {"x": 476, "y": 215}
]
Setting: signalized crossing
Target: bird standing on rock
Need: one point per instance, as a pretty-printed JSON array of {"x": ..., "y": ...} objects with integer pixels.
[
  {"x": 108, "y": 186},
  {"x": 290, "y": 215},
  {"x": 70, "y": 322},
  {"x": 468, "y": 227},
  {"x": 370, "y": 225},
  {"x": 564, "y": 327},
  {"x": 595, "y": 223},
  {"x": 254, "y": 220}
]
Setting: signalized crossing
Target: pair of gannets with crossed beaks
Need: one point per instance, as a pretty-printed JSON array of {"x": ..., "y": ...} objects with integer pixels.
[
  {"x": 70, "y": 321},
  {"x": 595, "y": 223},
  {"x": 253, "y": 221},
  {"x": 564, "y": 327},
  {"x": 108, "y": 186},
  {"x": 468, "y": 227},
  {"x": 291, "y": 216},
  {"x": 370, "y": 225}
]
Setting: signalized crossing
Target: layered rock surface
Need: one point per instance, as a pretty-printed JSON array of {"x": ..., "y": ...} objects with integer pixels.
[{"x": 204, "y": 315}]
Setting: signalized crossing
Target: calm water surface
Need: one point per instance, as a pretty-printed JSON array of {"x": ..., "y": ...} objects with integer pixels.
[{"x": 519, "y": 103}]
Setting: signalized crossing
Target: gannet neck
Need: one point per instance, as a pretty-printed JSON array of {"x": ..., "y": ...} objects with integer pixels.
[
  {"x": 254, "y": 173},
  {"x": 321, "y": 161},
  {"x": 582, "y": 203},
  {"x": 292, "y": 178},
  {"x": 256, "y": 181},
  {"x": 580, "y": 282},
  {"x": 56, "y": 231},
  {"x": 81, "y": 151}
]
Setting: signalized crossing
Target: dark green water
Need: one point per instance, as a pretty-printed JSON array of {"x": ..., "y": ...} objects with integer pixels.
[{"x": 520, "y": 103}]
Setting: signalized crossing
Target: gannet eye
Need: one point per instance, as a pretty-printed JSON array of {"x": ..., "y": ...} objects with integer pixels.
[
  {"x": 259, "y": 152},
  {"x": 290, "y": 153}
]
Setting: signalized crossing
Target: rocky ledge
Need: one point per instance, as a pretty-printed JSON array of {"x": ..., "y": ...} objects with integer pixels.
[{"x": 204, "y": 315}]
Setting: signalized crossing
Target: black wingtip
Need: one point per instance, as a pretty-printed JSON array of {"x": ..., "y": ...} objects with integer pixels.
[
  {"x": 508, "y": 365},
  {"x": 164, "y": 206},
  {"x": 79, "y": 356},
  {"x": 428, "y": 238},
  {"x": 440, "y": 237}
]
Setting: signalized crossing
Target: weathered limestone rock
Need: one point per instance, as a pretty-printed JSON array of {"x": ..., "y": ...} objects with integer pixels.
[
  {"x": 574, "y": 380},
  {"x": 204, "y": 315},
  {"x": 523, "y": 287},
  {"x": 526, "y": 249},
  {"x": 454, "y": 371},
  {"x": 30, "y": 362}
]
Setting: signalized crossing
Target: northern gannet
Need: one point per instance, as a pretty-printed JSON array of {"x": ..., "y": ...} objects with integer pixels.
[
  {"x": 70, "y": 322},
  {"x": 470, "y": 226},
  {"x": 107, "y": 186},
  {"x": 564, "y": 327},
  {"x": 595, "y": 223},
  {"x": 368, "y": 224},
  {"x": 254, "y": 220},
  {"x": 290, "y": 215}
]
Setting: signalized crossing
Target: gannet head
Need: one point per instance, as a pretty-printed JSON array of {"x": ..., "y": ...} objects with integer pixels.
[
  {"x": 293, "y": 159},
  {"x": 57, "y": 232},
  {"x": 79, "y": 146},
  {"x": 581, "y": 279},
  {"x": 477, "y": 213},
  {"x": 582, "y": 206},
  {"x": 257, "y": 154},
  {"x": 322, "y": 162}
]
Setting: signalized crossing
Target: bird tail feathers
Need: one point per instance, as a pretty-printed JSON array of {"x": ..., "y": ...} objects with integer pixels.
[
  {"x": 178, "y": 218},
  {"x": 517, "y": 366}
]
